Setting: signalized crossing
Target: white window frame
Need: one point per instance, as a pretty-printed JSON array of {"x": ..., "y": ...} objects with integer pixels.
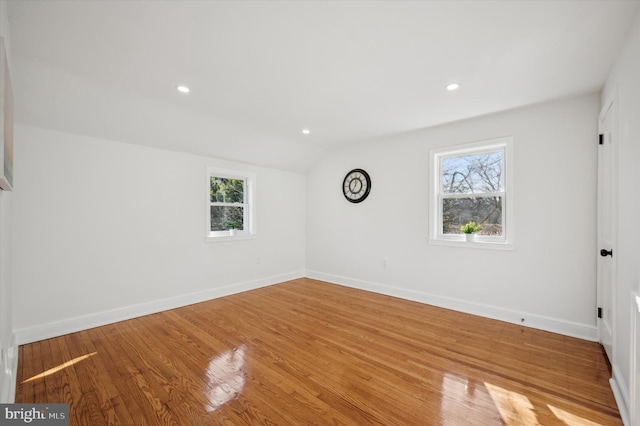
[
  {"x": 436, "y": 155},
  {"x": 249, "y": 221}
]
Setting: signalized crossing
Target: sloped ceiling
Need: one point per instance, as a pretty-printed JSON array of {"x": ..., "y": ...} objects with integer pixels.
[{"x": 261, "y": 71}]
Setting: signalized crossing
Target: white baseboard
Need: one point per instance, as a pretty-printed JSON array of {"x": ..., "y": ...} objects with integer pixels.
[
  {"x": 85, "y": 322},
  {"x": 620, "y": 393},
  {"x": 555, "y": 325}
]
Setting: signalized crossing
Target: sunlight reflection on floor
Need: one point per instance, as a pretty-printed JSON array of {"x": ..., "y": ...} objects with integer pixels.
[
  {"x": 60, "y": 367},
  {"x": 461, "y": 398},
  {"x": 571, "y": 419},
  {"x": 226, "y": 375},
  {"x": 515, "y": 409}
]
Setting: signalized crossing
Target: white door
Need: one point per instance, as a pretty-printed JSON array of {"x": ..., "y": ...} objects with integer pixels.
[{"x": 607, "y": 201}]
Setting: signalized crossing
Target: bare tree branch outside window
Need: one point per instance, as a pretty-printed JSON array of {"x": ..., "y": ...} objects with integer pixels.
[{"x": 473, "y": 190}]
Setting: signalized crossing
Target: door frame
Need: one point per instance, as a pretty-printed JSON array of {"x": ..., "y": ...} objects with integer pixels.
[{"x": 609, "y": 108}]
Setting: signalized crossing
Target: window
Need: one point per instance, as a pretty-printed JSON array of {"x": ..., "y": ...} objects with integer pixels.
[
  {"x": 230, "y": 205},
  {"x": 472, "y": 183}
]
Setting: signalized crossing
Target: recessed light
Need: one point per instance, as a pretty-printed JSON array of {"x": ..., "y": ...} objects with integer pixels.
[
  {"x": 306, "y": 131},
  {"x": 453, "y": 86},
  {"x": 183, "y": 89}
]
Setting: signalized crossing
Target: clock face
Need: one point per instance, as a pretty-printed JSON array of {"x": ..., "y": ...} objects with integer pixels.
[{"x": 356, "y": 185}]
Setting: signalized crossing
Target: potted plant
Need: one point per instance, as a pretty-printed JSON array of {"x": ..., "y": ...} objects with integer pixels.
[
  {"x": 469, "y": 230},
  {"x": 232, "y": 227}
]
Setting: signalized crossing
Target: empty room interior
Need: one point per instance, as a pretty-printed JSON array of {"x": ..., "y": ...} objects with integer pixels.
[{"x": 321, "y": 212}]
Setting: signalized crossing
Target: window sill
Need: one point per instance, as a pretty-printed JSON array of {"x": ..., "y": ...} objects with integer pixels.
[
  {"x": 225, "y": 238},
  {"x": 487, "y": 245}
]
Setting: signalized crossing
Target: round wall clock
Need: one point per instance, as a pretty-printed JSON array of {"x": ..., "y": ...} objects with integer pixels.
[{"x": 356, "y": 185}]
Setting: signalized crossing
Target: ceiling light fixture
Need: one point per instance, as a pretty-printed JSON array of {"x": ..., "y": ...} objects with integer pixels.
[
  {"x": 183, "y": 89},
  {"x": 453, "y": 86},
  {"x": 306, "y": 131}
]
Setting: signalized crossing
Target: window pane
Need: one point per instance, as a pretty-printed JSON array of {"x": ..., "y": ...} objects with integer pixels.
[
  {"x": 225, "y": 190},
  {"x": 472, "y": 174},
  {"x": 224, "y": 217},
  {"x": 487, "y": 211}
]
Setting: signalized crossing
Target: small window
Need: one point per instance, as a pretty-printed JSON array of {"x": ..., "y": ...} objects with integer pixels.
[
  {"x": 471, "y": 183},
  {"x": 230, "y": 210}
]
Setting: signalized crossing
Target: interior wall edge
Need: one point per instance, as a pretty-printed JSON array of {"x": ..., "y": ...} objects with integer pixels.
[
  {"x": 9, "y": 373},
  {"x": 554, "y": 325},
  {"x": 71, "y": 325},
  {"x": 618, "y": 387},
  {"x": 634, "y": 393}
]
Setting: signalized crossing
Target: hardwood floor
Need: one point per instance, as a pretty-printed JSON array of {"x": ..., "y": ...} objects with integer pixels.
[{"x": 307, "y": 352}]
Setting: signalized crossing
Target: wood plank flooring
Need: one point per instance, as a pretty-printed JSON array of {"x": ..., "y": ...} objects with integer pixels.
[{"x": 306, "y": 352}]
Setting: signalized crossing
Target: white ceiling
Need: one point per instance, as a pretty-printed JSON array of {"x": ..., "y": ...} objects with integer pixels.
[{"x": 261, "y": 71}]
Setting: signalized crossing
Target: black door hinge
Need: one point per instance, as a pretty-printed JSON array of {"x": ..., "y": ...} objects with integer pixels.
[
  {"x": 599, "y": 312},
  {"x": 600, "y": 139}
]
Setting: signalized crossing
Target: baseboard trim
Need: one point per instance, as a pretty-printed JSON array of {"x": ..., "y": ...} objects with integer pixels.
[
  {"x": 85, "y": 322},
  {"x": 554, "y": 325},
  {"x": 620, "y": 393}
]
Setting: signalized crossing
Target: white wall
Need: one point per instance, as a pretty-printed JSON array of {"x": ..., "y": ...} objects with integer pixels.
[
  {"x": 8, "y": 350},
  {"x": 623, "y": 86},
  {"x": 106, "y": 230},
  {"x": 549, "y": 279},
  {"x": 7, "y": 344}
]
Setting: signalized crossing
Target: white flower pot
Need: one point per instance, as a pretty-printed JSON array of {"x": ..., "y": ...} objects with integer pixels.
[
  {"x": 470, "y": 237},
  {"x": 232, "y": 232}
]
